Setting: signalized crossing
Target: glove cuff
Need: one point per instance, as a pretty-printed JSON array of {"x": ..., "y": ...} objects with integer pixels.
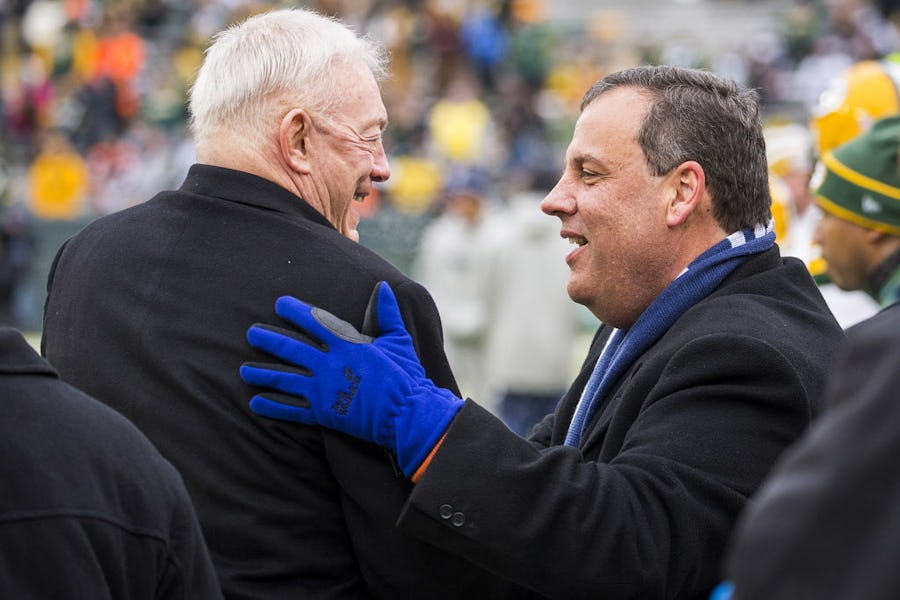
[{"x": 426, "y": 421}]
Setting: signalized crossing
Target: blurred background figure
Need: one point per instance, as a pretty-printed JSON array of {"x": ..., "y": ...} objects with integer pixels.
[
  {"x": 854, "y": 100},
  {"x": 460, "y": 124},
  {"x": 452, "y": 264},
  {"x": 485, "y": 36},
  {"x": 487, "y": 84},
  {"x": 790, "y": 153},
  {"x": 850, "y": 104},
  {"x": 58, "y": 179},
  {"x": 858, "y": 189},
  {"x": 532, "y": 323}
]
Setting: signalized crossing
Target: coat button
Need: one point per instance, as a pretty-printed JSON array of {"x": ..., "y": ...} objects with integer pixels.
[
  {"x": 446, "y": 511},
  {"x": 459, "y": 519}
]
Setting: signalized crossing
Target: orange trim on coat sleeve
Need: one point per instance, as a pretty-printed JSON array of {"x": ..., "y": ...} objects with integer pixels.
[{"x": 421, "y": 470}]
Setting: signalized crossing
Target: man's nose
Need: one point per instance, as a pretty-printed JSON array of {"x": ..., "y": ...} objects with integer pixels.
[
  {"x": 381, "y": 170},
  {"x": 558, "y": 201}
]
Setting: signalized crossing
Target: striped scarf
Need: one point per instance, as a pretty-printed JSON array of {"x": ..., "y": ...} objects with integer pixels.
[{"x": 696, "y": 282}]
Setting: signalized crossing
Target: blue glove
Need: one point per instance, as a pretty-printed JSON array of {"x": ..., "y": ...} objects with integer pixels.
[{"x": 374, "y": 389}]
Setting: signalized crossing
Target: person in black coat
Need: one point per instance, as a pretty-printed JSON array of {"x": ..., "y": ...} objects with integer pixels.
[
  {"x": 89, "y": 509},
  {"x": 826, "y": 524},
  {"x": 148, "y": 308},
  {"x": 709, "y": 364}
]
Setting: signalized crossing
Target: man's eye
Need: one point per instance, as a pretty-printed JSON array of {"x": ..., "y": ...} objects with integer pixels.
[{"x": 372, "y": 141}]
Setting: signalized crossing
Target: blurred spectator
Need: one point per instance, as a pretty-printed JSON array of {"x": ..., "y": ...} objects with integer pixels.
[
  {"x": 452, "y": 264},
  {"x": 531, "y": 47},
  {"x": 415, "y": 182},
  {"x": 862, "y": 31},
  {"x": 486, "y": 40},
  {"x": 442, "y": 39},
  {"x": 93, "y": 70},
  {"x": 523, "y": 132},
  {"x": 853, "y": 100},
  {"x": 532, "y": 323},
  {"x": 94, "y": 117},
  {"x": 127, "y": 169},
  {"x": 850, "y": 31},
  {"x": 120, "y": 58},
  {"x": 58, "y": 179},
  {"x": 27, "y": 100},
  {"x": 789, "y": 151},
  {"x": 789, "y": 154},
  {"x": 858, "y": 187},
  {"x": 460, "y": 124}
]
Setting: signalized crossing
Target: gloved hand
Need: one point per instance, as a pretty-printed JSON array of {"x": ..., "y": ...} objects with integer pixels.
[{"x": 374, "y": 389}]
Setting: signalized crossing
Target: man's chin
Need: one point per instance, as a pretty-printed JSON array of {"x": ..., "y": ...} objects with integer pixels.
[
  {"x": 577, "y": 294},
  {"x": 351, "y": 222}
]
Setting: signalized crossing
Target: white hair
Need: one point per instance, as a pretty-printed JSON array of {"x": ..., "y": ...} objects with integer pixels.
[{"x": 271, "y": 56}]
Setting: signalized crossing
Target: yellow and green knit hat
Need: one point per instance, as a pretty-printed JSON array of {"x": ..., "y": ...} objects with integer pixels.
[{"x": 860, "y": 180}]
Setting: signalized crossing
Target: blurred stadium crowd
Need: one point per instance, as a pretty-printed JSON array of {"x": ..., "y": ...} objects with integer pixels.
[{"x": 92, "y": 100}]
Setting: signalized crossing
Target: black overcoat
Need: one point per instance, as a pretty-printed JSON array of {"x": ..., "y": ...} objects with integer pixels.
[
  {"x": 826, "y": 524},
  {"x": 644, "y": 506},
  {"x": 89, "y": 508},
  {"x": 148, "y": 309}
]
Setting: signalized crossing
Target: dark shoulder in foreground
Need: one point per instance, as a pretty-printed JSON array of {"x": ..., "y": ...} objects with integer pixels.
[{"x": 88, "y": 504}]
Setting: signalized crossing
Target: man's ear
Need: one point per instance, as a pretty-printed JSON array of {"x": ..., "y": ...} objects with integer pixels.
[
  {"x": 293, "y": 138},
  {"x": 688, "y": 188},
  {"x": 883, "y": 239},
  {"x": 879, "y": 245}
]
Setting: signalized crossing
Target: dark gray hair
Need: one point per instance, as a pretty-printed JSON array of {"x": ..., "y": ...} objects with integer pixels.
[{"x": 702, "y": 117}]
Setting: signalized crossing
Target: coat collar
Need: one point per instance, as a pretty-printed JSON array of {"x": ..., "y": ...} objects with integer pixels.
[
  {"x": 760, "y": 263},
  {"x": 248, "y": 189},
  {"x": 18, "y": 357}
]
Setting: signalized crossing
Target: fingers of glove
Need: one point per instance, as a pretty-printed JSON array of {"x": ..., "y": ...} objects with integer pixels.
[
  {"x": 314, "y": 319},
  {"x": 277, "y": 377},
  {"x": 289, "y": 369},
  {"x": 303, "y": 315},
  {"x": 286, "y": 344},
  {"x": 282, "y": 407}
]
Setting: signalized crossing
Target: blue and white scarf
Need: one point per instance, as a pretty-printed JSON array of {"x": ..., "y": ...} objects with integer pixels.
[{"x": 696, "y": 282}]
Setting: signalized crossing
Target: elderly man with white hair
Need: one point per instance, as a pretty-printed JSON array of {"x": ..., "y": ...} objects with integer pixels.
[{"x": 148, "y": 308}]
